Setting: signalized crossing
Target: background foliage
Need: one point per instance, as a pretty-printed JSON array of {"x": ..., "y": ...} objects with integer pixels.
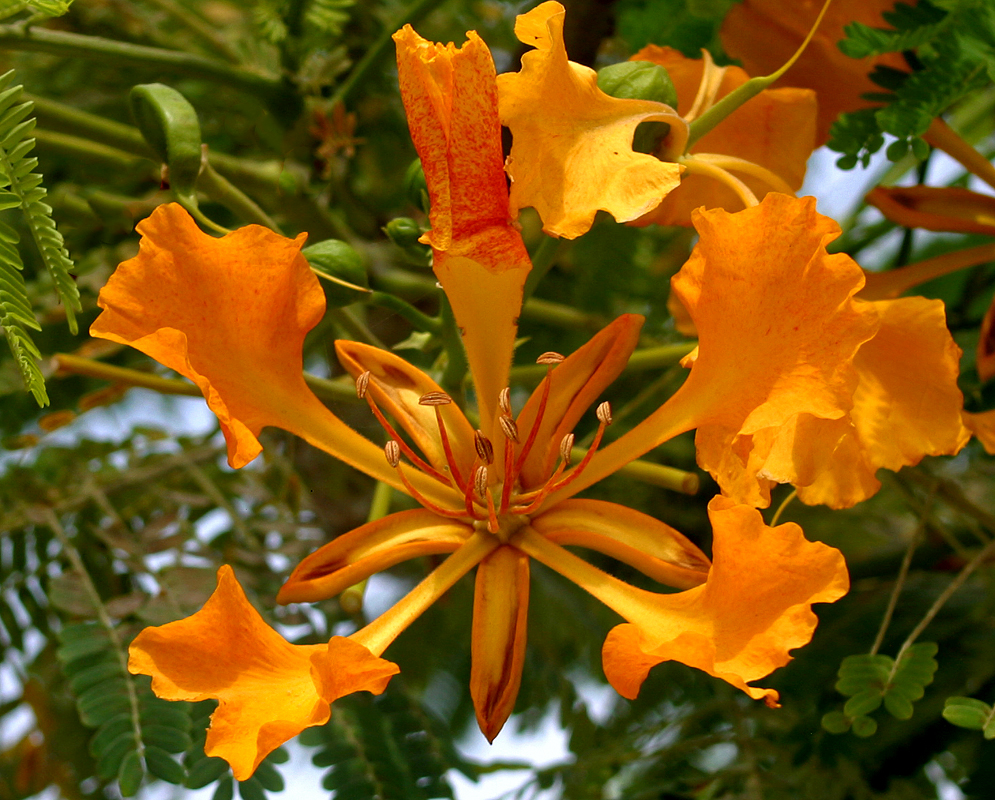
[{"x": 108, "y": 525}]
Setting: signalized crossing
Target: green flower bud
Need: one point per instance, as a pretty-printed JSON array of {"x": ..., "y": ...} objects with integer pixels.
[
  {"x": 345, "y": 266},
  {"x": 415, "y": 186},
  {"x": 403, "y": 231},
  {"x": 170, "y": 126},
  {"x": 638, "y": 80}
]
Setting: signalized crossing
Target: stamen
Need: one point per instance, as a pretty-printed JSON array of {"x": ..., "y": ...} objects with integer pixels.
[
  {"x": 442, "y": 512},
  {"x": 504, "y": 400},
  {"x": 393, "y": 453},
  {"x": 550, "y": 358},
  {"x": 566, "y": 446},
  {"x": 604, "y": 414},
  {"x": 492, "y": 520},
  {"x": 410, "y": 454},
  {"x": 484, "y": 447},
  {"x": 480, "y": 474},
  {"x": 362, "y": 383},
  {"x": 509, "y": 472},
  {"x": 537, "y": 498},
  {"x": 480, "y": 482},
  {"x": 437, "y": 400},
  {"x": 508, "y": 427}
]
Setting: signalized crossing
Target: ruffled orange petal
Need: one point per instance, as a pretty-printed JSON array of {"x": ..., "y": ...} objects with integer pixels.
[
  {"x": 230, "y": 314},
  {"x": 450, "y": 97},
  {"x": 269, "y": 689},
  {"x": 640, "y": 541},
  {"x": 396, "y": 386},
  {"x": 572, "y": 153},
  {"x": 371, "y": 548},
  {"x": 936, "y": 208},
  {"x": 500, "y": 623},
  {"x": 906, "y": 405},
  {"x": 775, "y": 130},
  {"x": 982, "y": 425},
  {"x": 764, "y": 34},
  {"x": 741, "y": 625},
  {"x": 575, "y": 384}
]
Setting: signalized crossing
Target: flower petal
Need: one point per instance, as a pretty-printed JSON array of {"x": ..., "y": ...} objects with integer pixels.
[
  {"x": 571, "y": 153},
  {"x": 371, "y": 548},
  {"x": 764, "y": 34},
  {"x": 632, "y": 537},
  {"x": 230, "y": 314},
  {"x": 775, "y": 130},
  {"x": 907, "y": 404},
  {"x": 450, "y": 96},
  {"x": 982, "y": 425},
  {"x": 985, "y": 353},
  {"x": 269, "y": 689},
  {"x": 575, "y": 384},
  {"x": 397, "y": 386},
  {"x": 500, "y": 622},
  {"x": 936, "y": 208},
  {"x": 741, "y": 625}
]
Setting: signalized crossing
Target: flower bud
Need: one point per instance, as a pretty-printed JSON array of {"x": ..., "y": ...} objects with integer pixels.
[
  {"x": 345, "y": 266},
  {"x": 416, "y": 187},
  {"x": 403, "y": 231}
]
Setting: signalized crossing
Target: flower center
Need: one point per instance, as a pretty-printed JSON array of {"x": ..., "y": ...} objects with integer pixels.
[{"x": 493, "y": 498}]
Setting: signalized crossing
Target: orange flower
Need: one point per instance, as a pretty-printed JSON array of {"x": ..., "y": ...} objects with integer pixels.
[
  {"x": 769, "y": 138},
  {"x": 947, "y": 208},
  {"x": 763, "y": 34},
  {"x": 270, "y": 690},
  {"x": 494, "y": 497}
]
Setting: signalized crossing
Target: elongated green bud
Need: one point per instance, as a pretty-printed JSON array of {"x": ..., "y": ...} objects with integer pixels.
[
  {"x": 415, "y": 186},
  {"x": 170, "y": 126},
  {"x": 343, "y": 270},
  {"x": 403, "y": 231}
]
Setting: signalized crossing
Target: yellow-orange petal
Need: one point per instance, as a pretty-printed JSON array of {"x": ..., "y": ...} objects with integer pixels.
[
  {"x": 778, "y": 329},
  {"x": 575, "y": 384},
  {"x": 376, "y": 546},
  {"x": 640, "y": 541},
  {"x": 985, "y": 354},
  {"x": 907, "y": 404},
  {"x": 764, "y": 34},
  {"x": 269, "y": 690},
  {"x": 397, "y": 386},
  {"x": 230, "y": 314},
  {"x": 982, "y": 425},
  {"x": 936, "y": 208},
  {"x": 775, "y": 130},
  {"x": 740, "y": 625},
  {"x": 571, "y": 153},
  {"x": 500, "y": 622}
]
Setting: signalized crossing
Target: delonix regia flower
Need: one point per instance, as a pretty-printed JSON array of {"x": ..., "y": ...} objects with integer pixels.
[{"x": 778, "y": 329}]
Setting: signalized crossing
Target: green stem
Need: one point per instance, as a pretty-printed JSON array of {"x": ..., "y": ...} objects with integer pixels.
[
  {"x": 379, "y": 49},
  {"x": 421, "y": 321},
  {"x": 126, "y": 54},
  {"x": 659, "y": 357},
  {"x": 223, "y": 191},
  {"x": 354, "y": 327},
  {"x": 781, "y": 508},
  {"x": 559, "y": 314},
  {"x": 903, "y": 572},
  {"x": 89, "y": 151},
  {"x": 197, "y": 25},
  {"x": 545, "y": 256}
]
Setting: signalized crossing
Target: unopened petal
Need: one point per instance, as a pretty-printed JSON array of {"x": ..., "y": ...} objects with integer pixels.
[
  {"x": 572, "y": 153},
  {"x": 936, "y": 208},
  {"x": 742, "y": 624},
  {"x": 775, "y": 130},
  {"x": 371, "y": 548},
  {"x": 269, "y": 690}
]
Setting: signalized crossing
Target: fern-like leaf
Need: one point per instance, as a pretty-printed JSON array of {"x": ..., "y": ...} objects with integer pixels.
[
  {"x": 327, "y": 17},
  {"x": 16, "y": 316},
  {"x": 17, "y": 178},
  {"x": 913, "y": 26}
]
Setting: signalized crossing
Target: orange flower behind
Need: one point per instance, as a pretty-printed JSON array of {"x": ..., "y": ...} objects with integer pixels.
[
  {"x": 270, "y": 690},
  {"x": 775, "y": 132},
  {"x": 763, "y": 34}
]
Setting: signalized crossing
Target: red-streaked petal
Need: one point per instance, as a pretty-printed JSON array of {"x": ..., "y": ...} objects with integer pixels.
[
  {"x": 371, "y": 548},
  {"x": 269, "y": 689},
  {"x": 635, "y": 538},
  {"x": 576, "y": 383},
  {"x": 397, "y": 386},
  {"x": 500, "y": 622}
]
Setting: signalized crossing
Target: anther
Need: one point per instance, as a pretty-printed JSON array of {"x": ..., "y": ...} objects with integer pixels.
[
  {"x": 362, "y": 384},
  {"x": 566, "y": 445},
  {"x": 484, "y": 447},
  {"x": 508, "y": 427},
  {"x": 435, "y": 399},
  {"x": 550, "y": 358},
  {"x": 604, "y": 413},
  {"x": 480, "y": 482},
  {"x": 393, "y": 452},
  {"x": 504, "y": 400}
]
